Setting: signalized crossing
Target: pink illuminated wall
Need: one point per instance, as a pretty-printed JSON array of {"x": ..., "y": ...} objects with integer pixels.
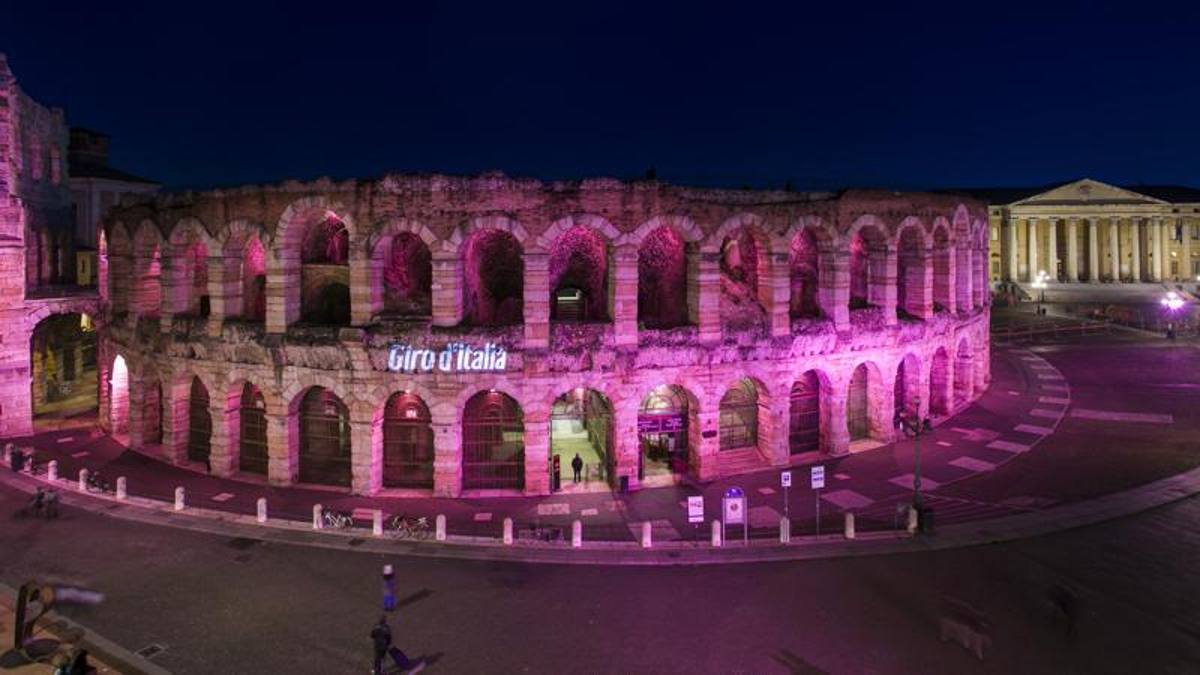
[
  {"x": 407, "y": 276},
  {"x": 802, "y": 263},
  {"x": 662, "y": 279},
  {"x": 254, "y": 280},
  {"x": 579, "y": 260},
  {"x": 493, "y": 279}
]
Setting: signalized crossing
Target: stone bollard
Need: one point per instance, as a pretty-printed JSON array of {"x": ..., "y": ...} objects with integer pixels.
[
  {"x": 8, "y": 448},
  {"x": 179, "y": 498},
  {"x": 716, "y": 534},
  {"x": 577, "y": 534},
  {"x": 317, "y": 511},
  {"x": 912, "y": 520},
  {"x": 647, "y": 535},
  {"x": 508, "y": 536},
  {"x": 83, "y": 476},
  {"x": 377, "y": 523},
  {"x": 785, "y": 530},
  {"x": 122, "y": 493},
  {"x": 262, "y": 509},
  {"x": 52, "y": 471},
  {"x": 849, "y": 525},
  {"x": 440, "y": 524}
]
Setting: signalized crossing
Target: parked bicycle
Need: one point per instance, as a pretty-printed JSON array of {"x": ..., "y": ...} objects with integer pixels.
[
  {"x": 407, "y": 527},
  {"x": 333, "y": 518},
  {"x": 97, "y": 483}
]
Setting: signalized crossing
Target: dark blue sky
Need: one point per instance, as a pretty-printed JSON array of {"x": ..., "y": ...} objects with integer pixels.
[{"x": 902, "y": 95}]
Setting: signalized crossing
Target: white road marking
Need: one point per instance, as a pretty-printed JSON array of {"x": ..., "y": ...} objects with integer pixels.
[
  {"x": 1114, "y": 416},
  {"x": 1054, "y": 399},
  {"x": 589, "y": 512},
  {"x": 65, "y": 439},
  {"x": 846, "y": 499},
  {"x": 223, "y": 497},
  {"x": 483, "y": 517},
  {"x": 944, "y": 444},
  {"x": 558, "y": 509},
  {"x": 1032, "y": 429},
  {"x": 81, "y": 453},
  {"x": 766, "y": 491},
  {"x": 972, "y": 464},
  {"x": 842, "y": 476},
  {"x": 1046, "y": 413},
  {"x": 1008, "y": 446}
]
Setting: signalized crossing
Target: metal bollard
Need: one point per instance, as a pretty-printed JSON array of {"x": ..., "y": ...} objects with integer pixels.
[
  {"x": 121, "y": 491},
  {"x": 262, "y": 509},
  {"x": 647, "y": 535},
  {"x": 912, "y": 520},
  {"x": 850, "y": 525},
  {"x": 377, "y": 523},
  {"x": 52, "y": 471},
  {"x": 785, "y": 530},
  {"x": 508, "y": 531},
  {"x": 577, "y": 534},
  {"x": 83, "y": 477},
  {"x": 716, "y": 533},
  {"x": 440, "y": 522},
  {"x": 179, "y": 499},
  {"x": 317, "y": 511}
]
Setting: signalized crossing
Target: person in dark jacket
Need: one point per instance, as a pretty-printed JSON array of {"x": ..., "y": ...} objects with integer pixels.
[
  {"x": 389, "y": 588},
  {"x": 577, "y": 466},
  {"x": 381, "y": 636}
]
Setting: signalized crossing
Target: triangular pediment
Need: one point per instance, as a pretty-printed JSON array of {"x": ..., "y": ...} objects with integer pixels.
[{"x": 1087, "y": 191}]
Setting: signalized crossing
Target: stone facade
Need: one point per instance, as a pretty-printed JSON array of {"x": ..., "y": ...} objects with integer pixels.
[
  {"x": 36, "y": 228},
  {"x": 702, "y": 289}
]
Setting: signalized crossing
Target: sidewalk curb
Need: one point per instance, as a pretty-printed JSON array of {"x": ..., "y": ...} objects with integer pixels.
[
  {"x": 1008, "y": 528},
  {"x": 112, "y": 654}
]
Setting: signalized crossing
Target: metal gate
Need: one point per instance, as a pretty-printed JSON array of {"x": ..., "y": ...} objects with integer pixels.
[
  {"x": 252, "y": 431},
  {"x": 199, "y": 423},
  {"x": 739, "y": 417},
  {"x": 856, "y": 405},
  {"x": 804, "y": 429},
  {"x": 407, "y": 443},
  {"x": 324, "y": 439},
  {"x": 493, "y": 443}
]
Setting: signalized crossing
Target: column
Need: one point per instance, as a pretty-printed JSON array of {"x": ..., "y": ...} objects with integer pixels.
[
  {"x": 836, "y": 435},
  {"x": 446, "y": 289},
  {"x": 779, "y": 291},
  {"x": 964, "y": 269},
  {"x": 221, "y": 457},
  {"x": 1186, "y": 272},
  {"x": 220, "y": 301},
  {"x": 1155, "y": 258},
  {"x": 283, "y": 444},
  {"x": 1052, "y": 249},
  {"x": 366, "y": 458},
  {"x": 773, "y": 426},
  {"x": 1114, "y": 248},
  {"x": 1033, "y": 249},
  {"x": 1093, "y": 252},
  {"x": 1135, "y": 249},
  {"x": 623, "y": 294},
  {"x": 1014, "y": 271},
  {"x": 537, "y": 300},
  {"x": 360, "y": 287},
  {"x": 626, "y": 446},
  {"x": 704, "y": 293},
  {"x": 833, "y": 281},
  {"x": 447, "y": 457},
  {"x": 704, "y": 447},
  {"x": 537, "y": 452},
  {"x": 175, "y": 420},
  {"x": 1072, "y": 249},
  {"x": 881, "y": 281},
  {"x": 1165, "y": 234}
]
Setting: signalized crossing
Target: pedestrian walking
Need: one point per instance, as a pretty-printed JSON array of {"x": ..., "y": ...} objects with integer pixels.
[
  {"x": 577, "y": 466},
  {"x": 52, "y": 503},
  {"x": 381, "y": 638},
  {"x": 389, "y": 588}
]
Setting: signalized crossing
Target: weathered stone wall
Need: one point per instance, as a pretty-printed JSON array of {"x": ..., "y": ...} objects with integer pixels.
[{"x": 715, "y": 349}]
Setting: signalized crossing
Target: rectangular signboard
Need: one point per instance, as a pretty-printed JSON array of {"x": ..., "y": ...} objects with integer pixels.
[
  {"x": 785, "y": 479},
  {"x": 735, "y": 510},
  {"x": 818, "y": 477},
  {"x": 695, "y": 506}
]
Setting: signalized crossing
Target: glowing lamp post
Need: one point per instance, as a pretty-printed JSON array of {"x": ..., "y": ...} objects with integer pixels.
[
  {"x": 917, "y": 456},
  {"x": 1171, "y": 302},
  {"x": 1040, "y": 284}
]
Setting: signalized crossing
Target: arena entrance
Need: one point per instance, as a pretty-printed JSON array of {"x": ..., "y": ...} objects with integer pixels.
[
  {"x": 324, "y": 439},
  {"x": 663, "y": 436},
  {"x": 63, "y": 387},
  {"x": 493, "y": 442},
  {"x": 407, "y": 443},
  {"x": 252, "y": 431},
  {"x": 581, "y": 424}
]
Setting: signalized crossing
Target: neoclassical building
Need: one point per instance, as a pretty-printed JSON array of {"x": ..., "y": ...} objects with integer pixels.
[
  {"x": 1086, "y": 231},
  {"x": 441, "y": 335}
]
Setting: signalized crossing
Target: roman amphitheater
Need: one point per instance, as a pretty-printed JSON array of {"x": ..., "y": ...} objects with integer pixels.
[{"x": 420, "y": 335}]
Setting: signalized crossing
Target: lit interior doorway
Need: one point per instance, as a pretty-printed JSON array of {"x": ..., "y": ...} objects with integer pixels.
[
  {"x": 63, "y": 361},
  {"x": 663, "y": 436},
  {"x": 581, "y": 424}
]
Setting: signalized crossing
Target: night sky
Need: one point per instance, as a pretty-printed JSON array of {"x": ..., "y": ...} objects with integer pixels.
[{"x": 905, "y": 95}]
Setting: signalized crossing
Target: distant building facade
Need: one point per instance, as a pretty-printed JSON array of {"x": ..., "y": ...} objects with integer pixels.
[{"x": 1086, "y": 231}]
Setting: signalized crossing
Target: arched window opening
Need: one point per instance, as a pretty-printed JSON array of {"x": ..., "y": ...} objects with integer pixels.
[
  {"x": 663, "y": 432},
  {"x": 254, "y": 281},
  {"x": 118, "y": 410},
  {"x": 804, "y": 428},
  {"x": 199, "y": 446},
  {"x": 407, "y": 443},
  {"x": 963, "y": 374},
  {"x": 662, "y": 280},
  {"x": 325, "y": 273},
  {"x": 407, "y": 277},
  {"x": 743, "y": 263},
  {"x": 803, "y": 266},
  {"x": 493, "y": 279},
  {"x": 579, "y": 276},
  {"x": 943, "y": 276},
  {"x": 63, "y": 368},
  {"x": 493, "y": 442},
  {"x": 191, "y": 281},
  {"x": 906, "y": 390},
  {"x": 739, "y": 417},
  {"x": 252, "y": 431},
  {"x": 581, "y": 425},
  {"x": 910, "y": 275},
  {"x": 324, "y": 439},
  {"x": 939, "y": 384},
  {"x": 857, "y": 402}
]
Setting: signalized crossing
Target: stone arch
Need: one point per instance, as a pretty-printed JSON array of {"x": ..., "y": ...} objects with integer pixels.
[
  {"x": 664, "y": 286},
  {"x": 868, "y": 403},
  {"x": 246, "y": 426},
  {"x": 744, "y": 415},
  {"x": 116, "y": 267},
  {"x": 118, "y": 395},
  {"x": 319, "y": 421},
  {"x": 914, "y": 273},
  {"x": 402, "y": 441},
  {"x": 964, "y": 265},
  {"x": 870, "y": 261},
  {"x": 593, "y": 222},
  {"x": 940, "y": 383},
  {"x": 493, "y": 445},
  {"x": 685, "y": 226},
  {"x": 810, "y": 245},
  {"x": 810, "y": 427},
  {"x": 199, "y": 422},
  {"x": 744, "y": 245},
  {"x": 964, "y": 374},
  {"x": 496, "y": 221},
  {"x": 146, "y": 297},
  {"x": 906, "y": 392},
  {"x": 493, "y": 274},
  {"x": 62, "y": 360},
  {"x": 581, "y": 279},
  {"x": 666, "y": 451},
  {"x": 400, "y": 268},
  {"x": 582, "y": 425},
  {"x": 943, "y": 265},
  {"x": 188, "y": 250},
  {"x": 242, "y": 288},
  {"x": 287, "y": 286}
]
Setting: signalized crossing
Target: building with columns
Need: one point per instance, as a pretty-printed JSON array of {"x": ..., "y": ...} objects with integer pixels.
[
  {"x": 1089, "y": 232},
  {"x": 449, "y": 336}
]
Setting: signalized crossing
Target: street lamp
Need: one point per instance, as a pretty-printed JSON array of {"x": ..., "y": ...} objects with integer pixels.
[
  {"x": 1040, "y": 284},
  {"x": 1171, "y": 302},
  {"x": 917, "y": 454}
]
